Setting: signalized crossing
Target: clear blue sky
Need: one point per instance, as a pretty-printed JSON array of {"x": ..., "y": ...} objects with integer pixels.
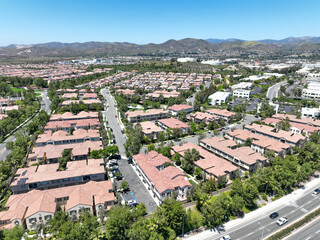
[{"x": 38, "y": 21}]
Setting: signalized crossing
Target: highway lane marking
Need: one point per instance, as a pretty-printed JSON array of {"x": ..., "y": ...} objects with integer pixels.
[
  {"x": 318, "y": 231},
  {"x": 249, "y": 234},
  {"x": 308, "y": 238},
  {"x": 304, "y": 210}
]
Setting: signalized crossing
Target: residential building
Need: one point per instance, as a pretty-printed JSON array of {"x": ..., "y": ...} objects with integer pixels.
[
  {"x": 150, "y": 129},
  {"x": 161, "y": 180},
  {"x": 243, "y": 157},
  {"x": 212, "y": 165},
  {"x": 85, "y": 102},
  {"x": 281, "y": 135},
  {"x": 75, "y": 124},
  {"x": 69, "y": 116},
  {"x": 69, "y": 96},
  {"x": 90, "y": 96},
  {"x": 242, "y": 85},
  {"x": 50, "y": 154},
  {"x": 219, "y": 98},
  {"x": 302, "y": 120},
  {"x": 221, "y": 113},
  {"x": 176, "y": 108},
  {"x": 200, "y": 117},
  {"x": 259, "y": 143},
  {"x": 62, "y": 137},
  {"x": 150, "y": 114},
  {"x": 39, "y": 206},
  {"x": 49, "y": 176},
  {"x": 173, "y": 123}
]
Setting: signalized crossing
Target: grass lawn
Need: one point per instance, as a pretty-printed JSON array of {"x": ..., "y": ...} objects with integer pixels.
[{"x": 16, "y": 90}]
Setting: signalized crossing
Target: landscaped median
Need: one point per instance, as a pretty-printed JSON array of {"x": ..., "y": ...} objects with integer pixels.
[{"x": 288, "y": 230}]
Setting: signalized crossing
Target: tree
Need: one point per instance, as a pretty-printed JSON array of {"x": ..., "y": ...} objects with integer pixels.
[
  {"x": 170, "y": 215},
  {"x": 266, "y": 110},
  {"x": 161, "y": 137},
  {"x": 125, "y": 185},
  {"x": 190, "y": 156},
  {"x": 176, "y": 133},
  {"x": 237, "y": 204},
  {"x": 133, "y": 144},
  {"x": 118, "y": 222},
  {"x": 151, "y": 147},
  {"x": 198, "y": 172},
  {"x": 15, "y": 234},
  {"x": 177, "y": 158},
  {"x": 214, "y": 213},
  {"x": 222, "y": 181},
  {"x": 284, "y": 124},
  {"x": 182, "y": 116},
  {"x": 66, "y": 157}
]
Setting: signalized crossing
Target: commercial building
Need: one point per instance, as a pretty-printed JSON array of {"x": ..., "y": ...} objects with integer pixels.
[
  {"x": 219, "y": 98},
  {"x": 242, "y": 93},
  {"x": 161, "y": 180}
]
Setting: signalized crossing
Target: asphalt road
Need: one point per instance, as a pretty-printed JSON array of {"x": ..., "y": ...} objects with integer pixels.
[
  {"x": 259, "y": 225},
  {"x": 308, "y": 232},
  {"x": 274, "y": 89},
  {"x": 136, "y": 186},
  {"x": 45, "y": 105}
]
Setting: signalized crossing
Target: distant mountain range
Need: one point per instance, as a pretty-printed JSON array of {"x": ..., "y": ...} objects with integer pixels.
[{"x": 170, "y": 47}]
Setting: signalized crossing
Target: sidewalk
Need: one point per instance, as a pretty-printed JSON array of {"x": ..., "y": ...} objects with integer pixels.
[{"x": 240, "y": 222}]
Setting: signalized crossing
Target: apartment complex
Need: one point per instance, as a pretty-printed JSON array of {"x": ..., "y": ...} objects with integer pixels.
[
  {"x": 161, "y": 180},
  {"x": 176, "y": 108},
  {"x": 173, "y": 123},
  {"x": 150, "y": 114},
  {"x": 243, "y": 157},
  {"x": 212, "y": 165},
  {"x": 281, "y": 135}
]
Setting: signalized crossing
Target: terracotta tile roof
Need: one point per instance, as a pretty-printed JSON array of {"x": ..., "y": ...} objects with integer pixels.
[
  {"x": 26, "y": 204},
  {"x": 146, "y": 113},
  {"x": 70, "y": 116},
  {"x": 163, "y": 180},
  {"x": 72, "y": 123},
  {"x": 220, "y": 112},
  {"x": 244, "y": 154},
  {"x": 180, "y": 107},
  {"x": 49, "y": 172},
  {"x": 149, "y": 127},
  {"x": 173, "y": 123}
]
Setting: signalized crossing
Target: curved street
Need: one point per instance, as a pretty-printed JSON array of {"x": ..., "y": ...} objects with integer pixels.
[{"x": 45, "y": 105}]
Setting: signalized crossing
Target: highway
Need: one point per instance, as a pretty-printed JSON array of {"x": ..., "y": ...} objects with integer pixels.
[
  {"x": 136, "y": 186},
  {"x": 45, "y": 105},
  {"x": 257, "y": 224},
  {"x": 274, "y": 89},
  {"x": 311, "y": 231}
]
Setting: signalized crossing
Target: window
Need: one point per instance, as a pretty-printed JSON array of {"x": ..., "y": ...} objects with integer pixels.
[
  {"x": 32, "y": 220},
  {"x": 47, "y": 217}
]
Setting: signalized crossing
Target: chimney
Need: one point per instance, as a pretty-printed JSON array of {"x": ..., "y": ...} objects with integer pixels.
[{"x": 45, "y": 157}]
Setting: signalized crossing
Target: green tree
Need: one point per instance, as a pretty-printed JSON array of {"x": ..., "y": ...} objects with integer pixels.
[
  {"x": 190, "y": 156},
  {"x": 182, "y": 115}
]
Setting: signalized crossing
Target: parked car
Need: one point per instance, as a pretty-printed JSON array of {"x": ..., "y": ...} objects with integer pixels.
[
  {"x": 274, "y": 215},
  {"x": 111, "y": 129},
  {"x": 226, "y": 237},
  {"x": 282, "y": 221},
  {"x": 114, "y": 141},
  {"x": 316, "y": 191},
  {"x": 115, "y": 116}
]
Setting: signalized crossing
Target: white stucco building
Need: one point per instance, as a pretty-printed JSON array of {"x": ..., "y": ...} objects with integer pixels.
[{"x": 219, "y": 98}]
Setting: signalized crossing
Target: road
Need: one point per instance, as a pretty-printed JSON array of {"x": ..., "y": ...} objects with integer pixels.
[
  {"x": 274, "y": 89},
  {"x": 45, "y": 105},
  {"x": 257, "y": 224},
  {"x": 310, "y": 231},
  {"x": 136, "y": 186}
]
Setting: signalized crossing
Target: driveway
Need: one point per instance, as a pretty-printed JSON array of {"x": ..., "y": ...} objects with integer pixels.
[{"x": 136, "y": 186}]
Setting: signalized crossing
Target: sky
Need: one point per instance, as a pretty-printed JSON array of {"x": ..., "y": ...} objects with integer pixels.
[{"x": 142, "y": 22}]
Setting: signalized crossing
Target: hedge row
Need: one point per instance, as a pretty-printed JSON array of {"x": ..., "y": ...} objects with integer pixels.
[{"x": 285, "y": 232}]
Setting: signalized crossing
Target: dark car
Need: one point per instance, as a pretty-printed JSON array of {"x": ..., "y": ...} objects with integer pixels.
[
  {"x": 316, "y": 191},
  {"x": 114, "y": 141},
  {"x": 111, "y": 129},
  {"x": 274, "y": 215},
  {"x": 116, "y": 156}
]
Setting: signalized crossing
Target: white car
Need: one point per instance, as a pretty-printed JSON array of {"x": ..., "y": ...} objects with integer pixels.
[
  {"x": 282, "y": 221},
  {"x": 316, "y": 191},
  {"x": 226, "y": 237}
]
